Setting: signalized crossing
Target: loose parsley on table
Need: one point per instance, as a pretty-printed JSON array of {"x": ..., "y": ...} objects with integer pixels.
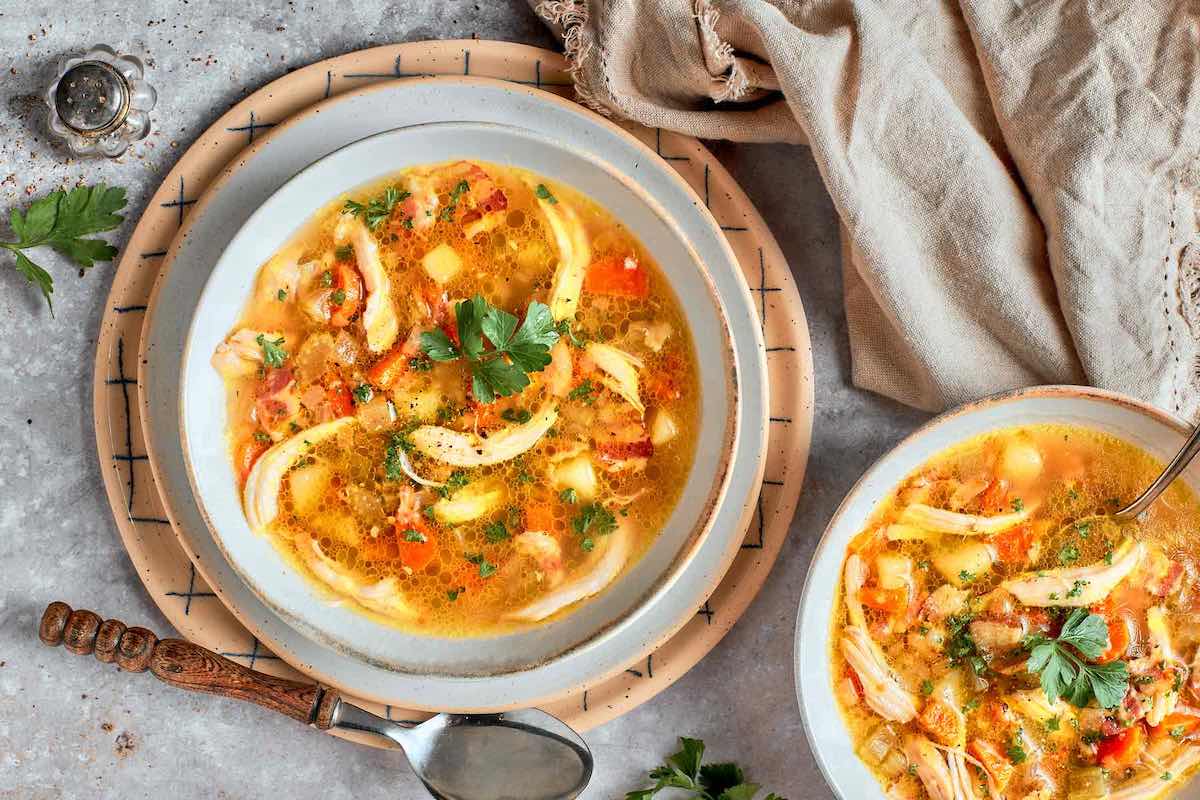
[
  {"x": 61, "y": 220},
  {"x": 518, "y": 347},
  {"x": 685, "y": 770},
  {"x": 377, "y": 209},
  {"x": 1064, "y": 674}
]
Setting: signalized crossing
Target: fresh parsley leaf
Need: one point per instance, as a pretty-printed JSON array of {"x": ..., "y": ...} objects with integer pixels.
[
  {"x": 1064, "y": 674},
  {"x": 685, "y": 771},
  {"x": 544, "y": 194},
  {"x": 495, "y": 532},
  {"x": 281, "y": 295},
  {"x": 447, "y": 213},
  {"x": 61, "y": 220},
  {"x": 516, "y": 349},
  {"x": 273, "y": 353},
  {"x": 453, "y": 594},
  {"x": 412, "y": 535},
  {"x": 362, "y": 393},
  {"x": 486, "y": 569},
  {"x": 1016, "y": 749},
  {"x": 376, "y": 210},
  {"x": 396, "y": 447}
]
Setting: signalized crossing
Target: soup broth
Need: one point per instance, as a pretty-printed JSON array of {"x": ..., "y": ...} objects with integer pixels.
[
  {"x": 997, "y": 639},
  {"x": 463, "y": 399}
]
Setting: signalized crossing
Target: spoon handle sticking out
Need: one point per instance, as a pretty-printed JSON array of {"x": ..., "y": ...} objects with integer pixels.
[
  {"x": 1173, "y": 470},
  {"x": 183, "y": 664}
]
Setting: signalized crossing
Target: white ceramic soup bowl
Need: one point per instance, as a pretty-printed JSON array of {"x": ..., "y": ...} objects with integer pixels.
[
  {"x": 1155, "y": 431},
  {"x": 294, "y": 598}
]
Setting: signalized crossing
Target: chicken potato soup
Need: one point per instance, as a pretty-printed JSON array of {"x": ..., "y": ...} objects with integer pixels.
[
  {"x": 462, "y": 400},
  {"x": 997, "y": 637}
]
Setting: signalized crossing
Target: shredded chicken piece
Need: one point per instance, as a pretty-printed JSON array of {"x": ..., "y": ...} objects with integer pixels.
[
  {"x": 383, "y": 597},
  {"x": 605, "y": 564},
  {"x": 574, "y": 254},
  {"x": 938, "y": 520},
  {"x": 261, "y": 495},
  {"x": 881, "y": 688},
  {"x": 379, "y": 318},
  {"x": 545, "y": 551},
  {"x": 241, "y": 354},
  {"x": 471, "y": 450},
  {"x": 1077, "y": 586},
  {"x": 1151, "y": 785}
]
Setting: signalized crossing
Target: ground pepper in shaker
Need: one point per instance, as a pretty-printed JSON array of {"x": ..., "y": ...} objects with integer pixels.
[{"x": 99, "y": 103}]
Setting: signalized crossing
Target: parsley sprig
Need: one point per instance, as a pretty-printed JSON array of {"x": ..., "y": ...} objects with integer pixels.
[
  {"x": 503, "y": 370},
  {"x": 376, "y": 210},
  {"x": 1064, "y": 674},
  {"x": 684, "y": 770},
  {"x": 62, "y": 220}
]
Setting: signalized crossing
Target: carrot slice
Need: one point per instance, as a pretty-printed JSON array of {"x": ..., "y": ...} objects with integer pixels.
[
  {"x": 617, "y": 275},
  {"x": 890, "y": 600},
  {"x": 1012, "y": 545},
  {"x": 1176, "y": 725},
  {"x": 387, "y": 370},
  {"x": 249, "y": 452},
  {"x": 1118, "y": 638},
  {"x": 339, "y": 399},
  {"x": 346, "y": 281}
]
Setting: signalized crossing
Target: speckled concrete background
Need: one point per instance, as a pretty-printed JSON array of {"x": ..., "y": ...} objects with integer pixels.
[{"x": 72, "y": 728}]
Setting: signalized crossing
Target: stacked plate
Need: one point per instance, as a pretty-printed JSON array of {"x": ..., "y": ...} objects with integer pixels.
[{"x": 260, "y": 201}]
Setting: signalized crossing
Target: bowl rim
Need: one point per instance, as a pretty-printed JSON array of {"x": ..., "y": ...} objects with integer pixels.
[
  {"x": 721, "y": 472},
  {"x": 800, "y": 651}
]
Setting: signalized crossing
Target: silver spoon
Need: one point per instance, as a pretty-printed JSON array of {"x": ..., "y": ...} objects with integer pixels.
[
  {"x": 1135, "y": 509},
  {"x": 526, "y": 754}
]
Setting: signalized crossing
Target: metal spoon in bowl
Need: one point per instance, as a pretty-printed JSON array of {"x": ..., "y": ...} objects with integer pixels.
[
  {"x": 1131, "y": 512},
  {"x": 527, "y": 753}
]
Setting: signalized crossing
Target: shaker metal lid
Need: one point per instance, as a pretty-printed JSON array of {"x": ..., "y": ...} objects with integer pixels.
[{"x": 92, "y": 98}]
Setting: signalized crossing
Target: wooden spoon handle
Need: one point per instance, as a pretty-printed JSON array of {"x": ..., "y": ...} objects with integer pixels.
[{"x": 183, "y": 664}]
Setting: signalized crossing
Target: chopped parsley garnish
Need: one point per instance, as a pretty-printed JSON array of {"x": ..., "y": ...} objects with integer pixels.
[
  {"x": 960, "y": 645},
  {"x": 1052, "y": 723},
  {"x": 923, "y": 564},
  {"x": 524, "y": 476},
  {"x": 281, "y": 295},
  {"x": 1084, "y": 529},
  {"x": 273, "y": 353},
  {"x": 587, "y": 544},
  {"x": 966, "y": 577},
  {"x": 594, "y": 519},
  {"x": 363, "y": 393},
  {"x": 338, "y": 297},
  {"x": 1064, "y": 674},
  {"x": 495, "y": 532},
  {"x": 397, "y": 445},
  {"x": 326, "y": 279},
  {"x": 971, "y": 705},
  {"x": 564, "y": 331},
  {"x": 344, "y": 252},
  {"x": 1018, "y": 505},
  {"x": 569, "y": 496},
  {"x": 420, "y": 364},
  {"x": 518, "y": 415},
  {"x": 412, "y": 535},
  {"x": 457, "y": 480},
  {"x": 1069, "y": 554},
  {"x": 926, "y": 687},
  {"x": 544, "y": 194},
  {"x": 585, "y": 391},
  {"x": 453, "y": 594},
  {"x": 519, "y": 347},
  {"x": 1077, "y": 588},
  {"x": 486, "y": 568},
  {"x": 262, "y": 436},
  {"x": 1016, "y": 749},
  {"x": 377, "y": 209},
  {"x": 447, "y": 213}
]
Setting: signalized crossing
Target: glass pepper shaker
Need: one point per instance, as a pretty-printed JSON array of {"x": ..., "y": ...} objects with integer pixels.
[{"x": 99, "y": 103}]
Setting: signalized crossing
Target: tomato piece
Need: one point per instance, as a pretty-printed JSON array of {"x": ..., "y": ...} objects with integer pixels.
[
  {"x": 339, "y": 399},
  {"x": 890, "y": 600},
  {"x": 387, "y": 370},
  {"x": 617, "y": 275},
  {"x": 248, "y": 452},
  {"x": 347, "y": 281},
  {"x": 415, "y": 555},
  {"x": 1012, "y": 545},
  {"x": 1122, "y": 749},
  {"x": 1176, "y": 726}
]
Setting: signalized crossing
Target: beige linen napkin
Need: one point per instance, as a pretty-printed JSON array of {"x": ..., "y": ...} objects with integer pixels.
[{"x": 1018, "y": 183}]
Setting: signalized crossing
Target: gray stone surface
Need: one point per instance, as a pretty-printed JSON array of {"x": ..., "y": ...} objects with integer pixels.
[{"x": 70, "y": 728}]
